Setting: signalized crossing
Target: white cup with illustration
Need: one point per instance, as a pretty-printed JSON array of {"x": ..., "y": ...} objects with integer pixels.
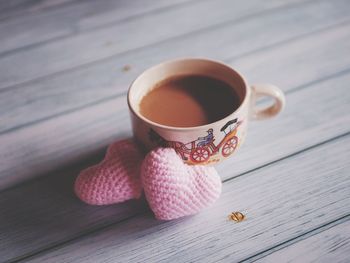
[{"x": 212, "y": 142}]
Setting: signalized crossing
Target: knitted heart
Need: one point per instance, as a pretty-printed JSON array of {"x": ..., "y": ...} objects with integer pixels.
[
  {"x": 174, "y": 189},
  {"x": 115, "y": 179}
]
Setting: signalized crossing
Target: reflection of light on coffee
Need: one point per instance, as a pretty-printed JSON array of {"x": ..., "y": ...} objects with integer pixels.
[
  {"x": 189, "y": 101},
  {"x": 236, "y": 216}
]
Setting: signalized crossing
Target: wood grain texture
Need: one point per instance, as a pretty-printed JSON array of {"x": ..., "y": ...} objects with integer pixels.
[
  {"x": 15, "y": 8},
  {"x": 68, "y": 53},
  {"x": 67, "y": 20},
  {"x": 331, "y": 245},
  {"x": 53, "y": 143},
  {"x": 72, "y": 90},
  {"x": 281, "y": 201},
  {"x": 266, "y": 143},
  {"x": 41, "y": 214},
  {"x": 305, "y": 59},
  {"x": 62, "y": 101}
]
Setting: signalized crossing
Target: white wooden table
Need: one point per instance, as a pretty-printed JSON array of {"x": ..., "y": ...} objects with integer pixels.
[{"x": 62, "y": 101}]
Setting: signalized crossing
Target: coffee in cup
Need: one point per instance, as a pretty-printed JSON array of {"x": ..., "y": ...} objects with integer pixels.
[{"x": 188, "y": 101}]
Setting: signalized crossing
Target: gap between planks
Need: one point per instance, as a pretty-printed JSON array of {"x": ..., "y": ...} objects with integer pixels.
[
  {"x": 286, "y": 82},
  {"x": 228, "y": 61},
  {"x": 62, "y": 123},
  {"x": 244, "y": 158},
  {"x": 77, "y": 27},
  {"x": 293, "y": 90},
  {"x": 105, "y": 94},
  {"x": 137, "y": 236},
  {"x": 95, "y": 24},
  {"x": 30, "y": 8},
  {"x": 97, "y": 51},
  {"x": 307, "y": 235},
  {"x": 256, "y": 256}
]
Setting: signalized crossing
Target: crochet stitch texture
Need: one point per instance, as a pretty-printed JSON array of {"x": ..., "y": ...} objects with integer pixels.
[
  {"x": 174, "y": 189},
  {"x": 114, "y": 180}
]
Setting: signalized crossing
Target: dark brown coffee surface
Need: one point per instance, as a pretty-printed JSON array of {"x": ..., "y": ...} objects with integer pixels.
[{"x": 190, "y": 100}]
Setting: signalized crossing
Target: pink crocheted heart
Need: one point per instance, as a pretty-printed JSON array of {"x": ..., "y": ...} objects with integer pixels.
[
  {"x": 174, "y": 189},
  {"x": 115, "y": 179}
]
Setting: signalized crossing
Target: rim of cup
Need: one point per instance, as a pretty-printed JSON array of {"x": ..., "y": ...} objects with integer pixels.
[{"x": 131, "y": 102}]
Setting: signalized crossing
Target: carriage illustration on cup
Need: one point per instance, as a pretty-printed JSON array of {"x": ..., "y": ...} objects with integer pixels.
[{"x": 203, "y": 148}]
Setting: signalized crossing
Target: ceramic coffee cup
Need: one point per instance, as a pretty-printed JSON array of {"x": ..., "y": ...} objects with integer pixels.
[{"x": 208, "y": 143}]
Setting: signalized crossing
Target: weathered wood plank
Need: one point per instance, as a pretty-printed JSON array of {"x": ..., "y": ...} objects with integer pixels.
[
  {"x": 43, "y": 146},
  {"x": 48, "y": 97},
  {"x": 21, "y": 7},
  {"x": 299, "y": 59},
  {"x": 67, "y": 20},
  {"x": 111, "y": 11},
  {"x": 281, "y": 201},
  {"x": 331, "y": 245},
  {"x": 51, "y": 196},
  {"x": 50, "y": 212},
  {"x": 67, "y": 53},
  {"x": 43, "y": 213}
]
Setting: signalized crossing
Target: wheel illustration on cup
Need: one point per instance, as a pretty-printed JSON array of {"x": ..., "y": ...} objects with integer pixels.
[
  {"x": 200, "y": 155},
  {"x": 230, "y": 146}
]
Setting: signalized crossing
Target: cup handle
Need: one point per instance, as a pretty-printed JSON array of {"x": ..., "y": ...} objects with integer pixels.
[{"x": 262, "y": 90}]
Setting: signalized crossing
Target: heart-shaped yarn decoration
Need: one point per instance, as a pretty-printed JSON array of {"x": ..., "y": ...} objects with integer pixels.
[
  {"x": 114, "y": 180},
  {"x": 174, "y": 189}
]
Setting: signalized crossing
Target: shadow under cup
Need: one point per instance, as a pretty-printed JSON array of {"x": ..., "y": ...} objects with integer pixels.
[{"x": 187, "y": 140}]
